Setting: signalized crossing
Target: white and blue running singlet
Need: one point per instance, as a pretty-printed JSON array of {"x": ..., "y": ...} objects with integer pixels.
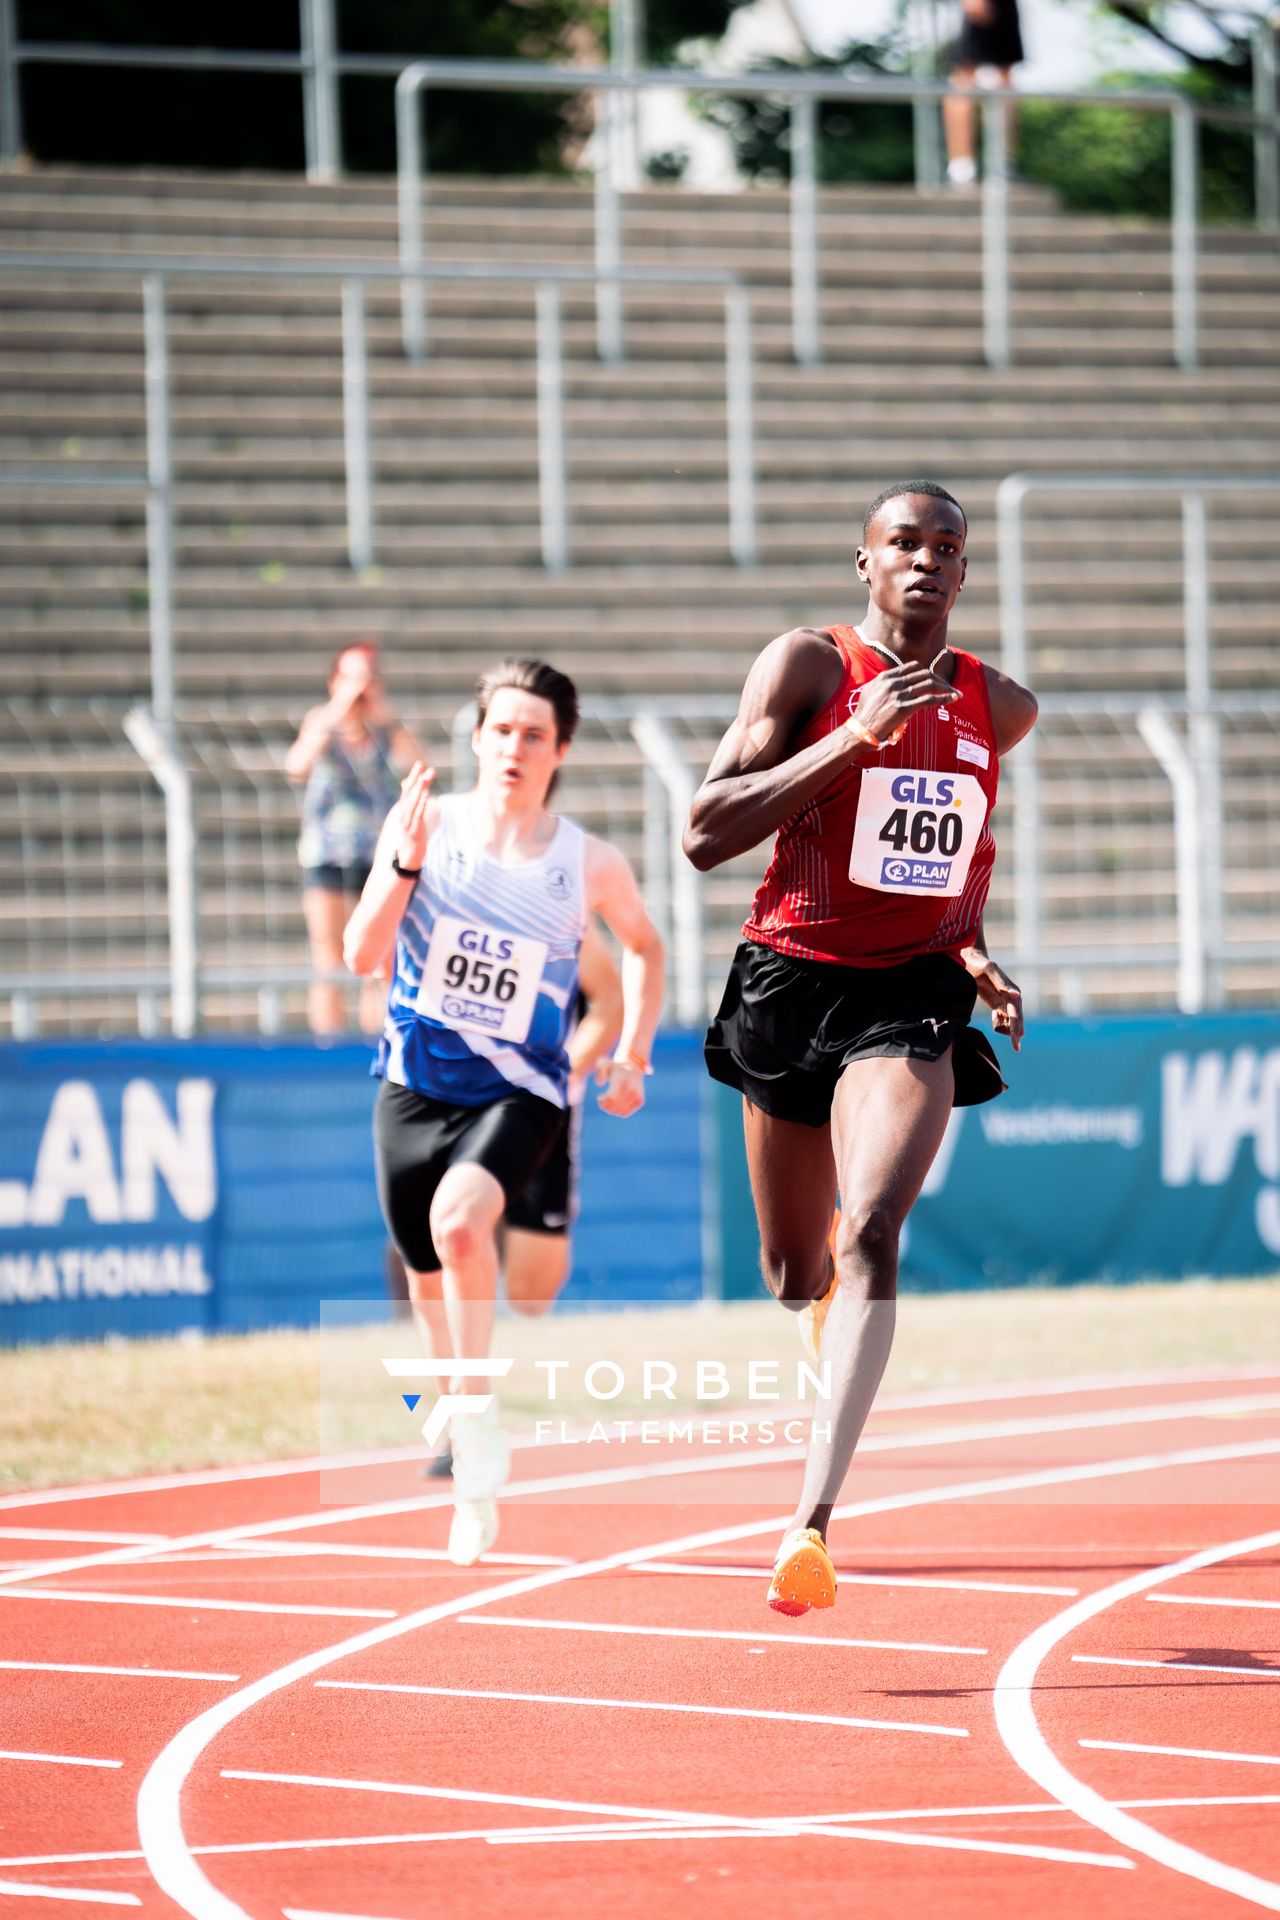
[{"x": 485, "y": 988}]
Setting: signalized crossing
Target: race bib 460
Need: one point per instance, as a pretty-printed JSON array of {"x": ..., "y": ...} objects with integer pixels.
[
  {"x": 916, "y": 833},
  {"x": 480, "y": 980}
]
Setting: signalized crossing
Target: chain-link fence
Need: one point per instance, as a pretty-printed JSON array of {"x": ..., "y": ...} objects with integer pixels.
[{"x": 82, "y": 848}]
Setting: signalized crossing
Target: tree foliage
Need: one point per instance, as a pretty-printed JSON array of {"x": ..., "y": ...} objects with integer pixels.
[
  {"x": 132, "y": 116},
  {"x": 857, "y": 141},
  {"x": 1101, "y": 159}
]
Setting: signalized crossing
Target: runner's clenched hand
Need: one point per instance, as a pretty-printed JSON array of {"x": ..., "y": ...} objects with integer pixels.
[
  {"x": 622, "y": 1088},
  {"x": 887, "y": 703},
  {"x": 997, "y": 991}
]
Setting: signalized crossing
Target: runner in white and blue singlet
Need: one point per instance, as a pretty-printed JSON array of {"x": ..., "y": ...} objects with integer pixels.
[
  {"x": 481, "y": 902},
  {"x": 485, "y": 986}
]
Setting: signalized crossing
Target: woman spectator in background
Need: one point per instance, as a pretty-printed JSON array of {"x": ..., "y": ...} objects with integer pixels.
[{"x": 348, "y": 757}]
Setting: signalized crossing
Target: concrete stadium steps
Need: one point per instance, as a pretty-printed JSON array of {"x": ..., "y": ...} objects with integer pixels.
[
  {"x": 652, "y": 604},
  {"x": 40, "y": 661}
]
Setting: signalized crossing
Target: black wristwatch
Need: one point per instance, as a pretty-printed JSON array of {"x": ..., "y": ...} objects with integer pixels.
[{"x": 406, "y": 873}]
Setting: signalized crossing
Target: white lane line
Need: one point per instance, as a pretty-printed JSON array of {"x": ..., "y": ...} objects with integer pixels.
[
  {"x": 1020, "y": 1731},
  {"x": 58, "y": 1759},
  {"x": 1210, "y": 1800},
  {"x": 706, "y": 1633},
  {"x": 950, "y": 1843},
  {"x": 237, "y": 1559},
  {"x": 324, "y": 1913},
  {"x": 848, "y": 1579},
  {"x": 475, "y": 1796},
  {"x": 288, "y": 1549},
  {"x": 1210, "y": 1600},
  {"x": 168, "y": 1854},
  {"x": 1188, "y": 1753},
  {"x": 1176, "y": 1666},
  {"x": 648, "y": 1706},
  {"x": 202, "y": 1605},
  {"x": 1034, "y": 1390},
  {"x": 659, "y": 1823},
  {"x": 215, "y": 1476},
  {"x": 89, "y": 1896},
  {"x": 684, "y": 1468},
  {"x": 321, "y": 1843},
  {"x": 140, "y": 1673},
  {"x": 1065, "y": 1384},
  {"x": 74, "y": 1534}
]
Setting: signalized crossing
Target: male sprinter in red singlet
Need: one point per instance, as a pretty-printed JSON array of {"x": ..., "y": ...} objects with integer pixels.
[{"x": 872, "y": 752}]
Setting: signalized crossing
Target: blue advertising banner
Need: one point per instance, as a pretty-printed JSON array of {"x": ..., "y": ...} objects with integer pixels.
[
  {"x": 151, "y": 1187},
  {"x": 1125, "y": 1149}
]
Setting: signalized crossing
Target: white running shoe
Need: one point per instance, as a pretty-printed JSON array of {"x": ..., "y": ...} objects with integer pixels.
[
  {"x": 474, "y": 1530},
  {"x": 481, "y": 1456},
  {"x": 481, "y": 1463}
]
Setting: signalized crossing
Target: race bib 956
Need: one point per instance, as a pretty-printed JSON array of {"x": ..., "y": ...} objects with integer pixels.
[{"x": 481, "y": 980}]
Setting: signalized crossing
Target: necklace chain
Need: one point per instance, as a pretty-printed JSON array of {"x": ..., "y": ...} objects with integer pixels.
[{"x": 897, "y": 658}]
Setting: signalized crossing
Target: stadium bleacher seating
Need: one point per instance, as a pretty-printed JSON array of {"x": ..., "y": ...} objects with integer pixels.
[{"x": 652, "y": 604}]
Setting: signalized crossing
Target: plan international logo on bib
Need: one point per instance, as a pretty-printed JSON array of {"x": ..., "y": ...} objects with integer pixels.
[
  {"x": 928, "y": 875},
  {"x": 477, "y": 1013}
]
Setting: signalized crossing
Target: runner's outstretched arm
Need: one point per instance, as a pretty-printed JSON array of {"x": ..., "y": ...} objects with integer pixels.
[
  {"x": 995, "y": 989},
  {"x": 371, "y": 931},
  {"x": 601, "y": 1023},
  {"x": 613, "y": 894}
]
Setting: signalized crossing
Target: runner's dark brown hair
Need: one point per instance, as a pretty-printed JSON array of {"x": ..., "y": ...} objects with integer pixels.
[{"x": 536, "y": 677}]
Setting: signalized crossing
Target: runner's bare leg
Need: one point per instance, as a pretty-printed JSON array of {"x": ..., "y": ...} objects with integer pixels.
[
  {"x": 535, "y": 1266},
  {"x": 793, "y": 1184},
  {"x": 426, "y": 1294},
  {"x": 888, "y": 1119},
  {"x": 465, "y": 1213}
]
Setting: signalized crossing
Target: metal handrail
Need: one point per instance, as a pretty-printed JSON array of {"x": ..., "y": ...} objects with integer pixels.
[
  {"x": 651, "y": 722},
  {"x": 156, "y": 269},
  {"x": 805, "y": 91},
  {"x": 319, "y": 65},
  {"x": 1194, "y": 771}
]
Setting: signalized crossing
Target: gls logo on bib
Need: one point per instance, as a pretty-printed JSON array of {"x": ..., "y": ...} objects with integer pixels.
[{"x": 916, "y": 832}]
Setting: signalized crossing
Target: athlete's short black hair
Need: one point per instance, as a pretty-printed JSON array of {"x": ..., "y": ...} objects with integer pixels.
[
  {"x": 900, "y": 487},
  {"x": 536, "y": 677}
]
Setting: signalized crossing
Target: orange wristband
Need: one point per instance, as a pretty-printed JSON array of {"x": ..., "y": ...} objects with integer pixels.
[
  {"x": 636, "y": 1061},
  {"x": 864, "y": 736}
]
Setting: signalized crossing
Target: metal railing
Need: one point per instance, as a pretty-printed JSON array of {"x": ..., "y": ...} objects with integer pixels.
[
  {"x": 548, "y": 281},
  {"x": 1123, "y": 837},
  {"x": 1193, "y": 765},
  {"x": 804, "y": 92},
  {"x": 320, "y": 65}
]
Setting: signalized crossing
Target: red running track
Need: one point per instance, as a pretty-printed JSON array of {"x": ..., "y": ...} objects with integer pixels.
[{"x": 1051, "y": 1682}]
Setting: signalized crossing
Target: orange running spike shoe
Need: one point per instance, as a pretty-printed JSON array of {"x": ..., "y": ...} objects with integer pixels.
[
  {"x": 803, "y": 1575},
  {"x": 813, "y": 1318}
]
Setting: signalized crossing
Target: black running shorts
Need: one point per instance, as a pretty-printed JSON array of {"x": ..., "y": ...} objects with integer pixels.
[
  {"x": 996, "y": 42},
  {"x": 549, "y": 1204},
  {"x": 786, "y": 1029},
  {"x": 417, "y": 1140}
]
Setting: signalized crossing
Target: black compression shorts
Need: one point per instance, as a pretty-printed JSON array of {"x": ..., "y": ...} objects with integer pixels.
[
  {"x": 549, "y": 1204},
  {"x": 417, "y": 1140},
  {"x": 786, "y": 1029}
]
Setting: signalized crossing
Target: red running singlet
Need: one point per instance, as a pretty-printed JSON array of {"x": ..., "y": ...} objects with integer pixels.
[{"x": 914, "y": 824}]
